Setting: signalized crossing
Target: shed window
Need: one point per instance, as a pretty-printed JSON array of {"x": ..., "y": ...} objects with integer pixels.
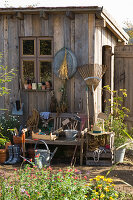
[{"x": 36, "y": 59}]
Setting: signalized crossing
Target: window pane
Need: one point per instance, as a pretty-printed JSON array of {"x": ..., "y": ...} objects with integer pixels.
[
  {"x": 28, "y": 47},
  {"x": 28, "y": 70},
  {"x": 45, "y": 71},
  {"x": 45, "y": 47}
]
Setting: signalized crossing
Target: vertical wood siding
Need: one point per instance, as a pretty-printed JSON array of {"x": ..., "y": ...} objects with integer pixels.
[{"x": 123, "y": 76}]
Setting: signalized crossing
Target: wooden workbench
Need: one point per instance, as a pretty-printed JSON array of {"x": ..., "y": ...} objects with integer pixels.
[{"x": 59, "y": 142}]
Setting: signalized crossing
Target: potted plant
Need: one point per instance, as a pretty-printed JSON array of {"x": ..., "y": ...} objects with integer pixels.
[
  {"x": 4, "y": 143},
  {"x": 115, "y": 122}
]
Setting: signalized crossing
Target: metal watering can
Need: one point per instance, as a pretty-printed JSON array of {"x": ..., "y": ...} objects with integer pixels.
[{"x": 43, "y": 156}]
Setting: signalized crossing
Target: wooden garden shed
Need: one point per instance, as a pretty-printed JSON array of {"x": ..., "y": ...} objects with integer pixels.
[
  {"x": 31, "y": 36},
  {"x": 50, "y": 45}
]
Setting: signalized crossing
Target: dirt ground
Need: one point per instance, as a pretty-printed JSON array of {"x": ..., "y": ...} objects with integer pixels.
[{"x": 122, "y": 174}]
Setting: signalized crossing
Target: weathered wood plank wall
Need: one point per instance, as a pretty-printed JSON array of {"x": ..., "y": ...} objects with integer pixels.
[
  {"x": 123, "y": 76},
  {"x": 79, "y": 34}
]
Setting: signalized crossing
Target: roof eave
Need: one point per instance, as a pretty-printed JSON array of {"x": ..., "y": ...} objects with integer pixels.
[{"x": 114, "y": 27}]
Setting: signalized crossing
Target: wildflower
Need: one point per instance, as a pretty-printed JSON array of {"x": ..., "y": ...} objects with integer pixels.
[
  {"x": 49, "y": 168},
  {"x": 60, "y": 170},
  {"x": 109, "y": 180},
  {"x": 15, "y": 169},
  {"x": 116, "y": 194},
  {"x": 106, "y": 189},
  {"x": 85, "y": 177},
  {"x": 102, "y": 195},
  {"x": 27, "y": 194},
  {"x": 99, "y": 186},
  {"x": 76, "y": 177},
  {"x": 75, "y": 183},
  {"x": 30, "y": 160},
  {"x": 91, "y": 179},
  {"x": 76, "y": 170},
  {"x": 110, "y": 198},
  {"x": 37, "y": 156},
  {"x": 24, "y": 160}
]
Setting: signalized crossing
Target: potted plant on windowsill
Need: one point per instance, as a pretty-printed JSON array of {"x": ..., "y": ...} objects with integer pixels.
[{"x": 115, "y": 122}]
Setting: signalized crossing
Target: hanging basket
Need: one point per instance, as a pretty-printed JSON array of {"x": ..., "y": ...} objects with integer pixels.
[{"x": 92, "y": 73}]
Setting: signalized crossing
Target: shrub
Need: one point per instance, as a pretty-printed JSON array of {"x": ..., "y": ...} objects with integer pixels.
[
  {"x": 101, "y": 188},
  {"x": 43, "y": 184},
  {"x": 6, "y": 123}
]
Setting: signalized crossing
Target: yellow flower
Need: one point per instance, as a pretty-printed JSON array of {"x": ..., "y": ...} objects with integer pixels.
[
  {"x": 106, "y": 189},
  {"x": 99, "y": 186},
  {"x": 102, "y": 195},
  {"x": 87, "y": 184},
  {"x": 101, "y": 177},
  {"x": 96, "y": 193},
  {"x": 113, "y": 185},
  {"x": 91, "y": 179},
  {"x": 110, "y": 198},
  {"x": 116, "y": 194},
  {"x": 109, "y": 180}
]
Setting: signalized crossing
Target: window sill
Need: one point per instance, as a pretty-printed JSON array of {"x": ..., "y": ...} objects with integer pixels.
[{"x": 28, "y": 90}]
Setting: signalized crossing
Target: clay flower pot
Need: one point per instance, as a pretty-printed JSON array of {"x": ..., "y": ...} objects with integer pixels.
[{"x": 3, "y": 155}]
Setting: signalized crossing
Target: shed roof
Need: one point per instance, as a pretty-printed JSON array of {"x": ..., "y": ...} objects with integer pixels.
[
  {"x": 66, "y": 5},
  {"x": 48, "y": 3}
]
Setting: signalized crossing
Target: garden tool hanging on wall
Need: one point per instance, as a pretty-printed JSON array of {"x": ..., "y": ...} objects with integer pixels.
[
  {"x": 18, "y": 105},
  {"x": 64, "y": 67}
]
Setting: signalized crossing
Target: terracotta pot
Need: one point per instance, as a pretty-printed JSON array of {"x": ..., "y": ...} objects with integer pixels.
[
  {"x": 17, "y": 140},
  {"x": 3, "y": 155}
]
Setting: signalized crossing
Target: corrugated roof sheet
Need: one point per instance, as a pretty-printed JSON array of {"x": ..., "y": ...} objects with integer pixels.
[{"x": 48, "y": 3}]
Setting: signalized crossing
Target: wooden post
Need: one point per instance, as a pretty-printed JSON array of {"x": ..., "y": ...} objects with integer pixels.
[{"x": 82, "y": 148}]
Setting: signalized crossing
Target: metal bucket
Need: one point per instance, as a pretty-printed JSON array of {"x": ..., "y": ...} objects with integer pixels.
[
  {"x": 42, "y": 156},
  {"x": 71, "y": 134},
  {"x": 119, "y": 155}
]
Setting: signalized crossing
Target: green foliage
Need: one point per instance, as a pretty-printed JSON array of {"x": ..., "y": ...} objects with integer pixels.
[
  {"x": 115, "y": 121},
  {"x": 5, "y": 77},
  {"x": 7, "y": 123}
]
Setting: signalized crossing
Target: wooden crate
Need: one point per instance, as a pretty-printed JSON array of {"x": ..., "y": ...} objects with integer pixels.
[
  {"x": 43, "y": 137},
  {"x": 105, "y": 159}
]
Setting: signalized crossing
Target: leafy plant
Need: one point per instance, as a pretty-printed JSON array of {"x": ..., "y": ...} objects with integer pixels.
[
  {"x": 101, "y": 188},
  {"x": 5, "y": 77},
  {"x": 7, "y": 123},
  {"x": 115, "y": 121},
  {"x": 45, "y": 183},
  {"x": 34, "y": 183}
]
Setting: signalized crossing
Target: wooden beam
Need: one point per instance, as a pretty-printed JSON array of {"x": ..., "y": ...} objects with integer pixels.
[
  {"x": 19, "y": 15},
  {"x": 70, "y": 15},
  {"x": 44, "y": 15},
  {"x": 100, "y": 23}
]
